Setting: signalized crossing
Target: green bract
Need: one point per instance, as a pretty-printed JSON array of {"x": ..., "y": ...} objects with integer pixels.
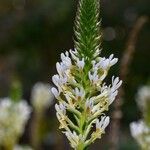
[{"x": 87, "y": 29}]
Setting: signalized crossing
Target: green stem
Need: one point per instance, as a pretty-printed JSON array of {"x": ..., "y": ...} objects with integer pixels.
[
  {"x": 81, "y": 145},
  {"x": 36, "y": 130}
]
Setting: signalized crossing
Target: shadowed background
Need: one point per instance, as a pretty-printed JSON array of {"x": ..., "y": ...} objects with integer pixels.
[{"x": 33, "y": 33}]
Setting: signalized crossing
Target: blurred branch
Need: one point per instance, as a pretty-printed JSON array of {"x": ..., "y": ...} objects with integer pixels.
[
  {"x": 124, "y": 70},
  {"x": 130, "y": 47}
]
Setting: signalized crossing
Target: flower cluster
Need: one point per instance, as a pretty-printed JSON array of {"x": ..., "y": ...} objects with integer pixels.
[
  {"x": 13, "y": 117},
  {"x": 41, "y": 96},
  {"x": 141, "y": 132},
  {"x": 83, "y": 96},
  {"x": 41, "y": 99},
  {"x": 143, "y": 97}
]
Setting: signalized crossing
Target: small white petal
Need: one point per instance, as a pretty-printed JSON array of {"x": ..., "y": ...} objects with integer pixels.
[
  {"x": 79, "y": 93},
  {"x": 74, "y": 54},
  {"x": 89, "y": 104},
  {"x": 106, "y": 63},
  {"x": 73, "y": 138},
  {"x": 60, "y": 68},
  {"x": 113, "y": 91},
  {"x": 93, "y": 77},
  {"x": 55, "y": 92},
  {"x": 66, "y": 60},
  {"x": 80, "y": 63},
  {"x": 55, "y": 80},
  {"x": 103, "y": 123},
  {"x": 61, "y": 108},
  {"x": 59, "y": 80}
]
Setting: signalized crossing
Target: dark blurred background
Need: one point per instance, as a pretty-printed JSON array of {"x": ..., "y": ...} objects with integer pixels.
[{"x": 33, "y": 33}]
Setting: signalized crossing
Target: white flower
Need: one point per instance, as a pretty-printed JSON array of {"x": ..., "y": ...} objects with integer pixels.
[
  {"x": 79, "y": 93},
  {"x": 89, "y": 104},
  {"x": 74, "y": 54},
  {"x": 13, "y": 117},
  {"x": 61, "y": 110},
  {"x": 73, "y": 138},
  {"x": 113, "y": 91},
  {"x": 138, "y": 128},
  {"x": 101, "y": 125},
  {"x": 59, "y": 81},
  {"x": 66, "y": 60},
  {"x": 76, "y": 96},
  {"x": 112, "y": 61},
  {"x": 93, "y": 77},
  {"x": 141, "y": 132},
  {"x": 41, "y": 96},
  {"x": 60, "y": 68},
  {"x": 143, "y": 96},
  {"x": 61, "y": 115},
  {"x": 106, "y": 63},
  {"x": 80, "y": 63},
  {"x": 55, "y": 92}
]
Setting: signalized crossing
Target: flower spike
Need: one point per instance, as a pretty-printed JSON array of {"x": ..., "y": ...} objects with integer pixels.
[{"x": 81, "y": 91}]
